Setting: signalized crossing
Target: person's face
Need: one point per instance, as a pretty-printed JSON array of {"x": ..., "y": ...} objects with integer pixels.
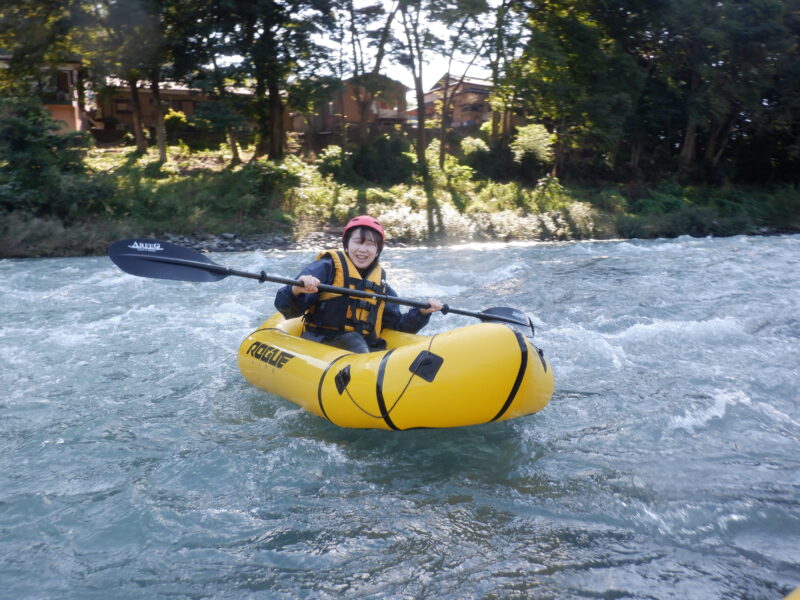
[{"x": 362, "y": 248}]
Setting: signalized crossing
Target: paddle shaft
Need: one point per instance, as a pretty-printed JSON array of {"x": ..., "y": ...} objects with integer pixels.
[{"x": 262, "y": 277}]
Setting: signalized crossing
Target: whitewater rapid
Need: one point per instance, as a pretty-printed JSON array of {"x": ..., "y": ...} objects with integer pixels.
[{"x": 136, "y": 462}]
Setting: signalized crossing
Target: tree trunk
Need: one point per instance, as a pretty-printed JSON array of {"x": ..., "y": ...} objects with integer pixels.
[
  {"x": 636, "y": 155},
  {"x": 718, "y": 140},
  {"x": 411, "y": 24},
  {"x": 506, "y": 135},
  {"x": 365, "y": 101},
  {"x": 689, "y": 145},
  {"x": 138, "y": 132},
  {"x": 262, "y": 118},
  {"x": 686, "y": 156},
  {"x": 161, "y": 135},
  {"x": 237, "y": 159},
  {"x": 277, "y": 130},
  {"x": 560, "y": 150},
  {"x": 494, "y": 137},
  {"x": 80, "y": 89},
  {"x": 447, "y": 119},
  {"x": 499, "y": 56},
  {"x": 422, "y": 159}
]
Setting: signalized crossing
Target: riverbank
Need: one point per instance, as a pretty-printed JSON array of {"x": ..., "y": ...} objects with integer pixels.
[
  {"x": 22, "y": 236},
  {"x": 43, "y": 238},
  {"x": 202, "y": 201}
]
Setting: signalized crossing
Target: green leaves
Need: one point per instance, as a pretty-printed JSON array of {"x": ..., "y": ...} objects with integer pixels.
[{"x": 41, "y": 171}]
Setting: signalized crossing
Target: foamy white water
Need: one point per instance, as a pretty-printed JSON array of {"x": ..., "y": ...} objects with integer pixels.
[{"x": 136, "y": 462}]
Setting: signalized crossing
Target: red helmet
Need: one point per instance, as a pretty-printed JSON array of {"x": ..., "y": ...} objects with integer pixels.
[{"x": 363, "y": 221}]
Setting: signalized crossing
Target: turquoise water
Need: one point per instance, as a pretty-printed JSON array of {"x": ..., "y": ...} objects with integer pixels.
[{"x": 135, "y": 462}]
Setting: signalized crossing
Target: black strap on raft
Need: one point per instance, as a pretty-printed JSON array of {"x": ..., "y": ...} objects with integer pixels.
[
  {"x": 421, "y": 367},
  {"x": 523, "y": 364}
]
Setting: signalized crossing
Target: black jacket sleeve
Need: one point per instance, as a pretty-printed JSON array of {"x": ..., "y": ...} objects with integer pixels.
[
  {"x": 291, "y": 306},
  {"x": 410, "y": 322}
]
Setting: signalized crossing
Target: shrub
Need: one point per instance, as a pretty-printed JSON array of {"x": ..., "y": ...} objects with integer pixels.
[
  {"x": 175, "y": 121},
  {"x": 41, "y": 170},
  {"x": 384, "y": 161},
  {"x": 471, "y": 146},
  {"x": 781, "y": 207},
  {"x": 612, "y": 201},
  {"x": 533, "y": 140},
  {"x": 193, "y": 133},
  {"x": 271, "y": 180},
  {"x": 333, "y": 161}
]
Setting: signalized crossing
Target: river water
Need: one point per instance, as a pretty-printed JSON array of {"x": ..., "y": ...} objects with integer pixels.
[{"x": 135, "y": 461}]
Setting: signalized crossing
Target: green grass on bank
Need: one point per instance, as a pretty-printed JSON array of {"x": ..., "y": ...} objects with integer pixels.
[{"x": 200, "y": 193}]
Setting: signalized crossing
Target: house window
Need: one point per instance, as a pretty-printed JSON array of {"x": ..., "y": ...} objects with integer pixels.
[{"x": 122, "y": 106}]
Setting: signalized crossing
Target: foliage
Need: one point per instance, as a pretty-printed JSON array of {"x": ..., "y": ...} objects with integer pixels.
[
  {"x": 384, "y": 161},
  {"x": 271, "y": 180},
  {"x": 199, "y": 192},
  {"x": 175, "y": 121},
  {"x": 532, "y": 148},
  {"x": 41, "y": 170},
  {"x": 632, "y": 91},
  {"x": 333, "y": 161},
  {"x": 653, "y": 89},
  {"x": 197, "y": 132},
  {"x": 473, "y": 147},
  {"x": 533, "y": 141}
]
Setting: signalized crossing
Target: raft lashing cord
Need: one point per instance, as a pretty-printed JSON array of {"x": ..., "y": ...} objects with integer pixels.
[{"x": 417, "y": 365}]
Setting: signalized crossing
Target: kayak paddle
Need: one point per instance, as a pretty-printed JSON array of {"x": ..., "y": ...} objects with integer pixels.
[{"x": 162, "y": 260}]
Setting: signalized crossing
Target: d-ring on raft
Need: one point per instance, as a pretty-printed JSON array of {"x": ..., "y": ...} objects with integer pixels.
[{"x": 467, "y": 376}]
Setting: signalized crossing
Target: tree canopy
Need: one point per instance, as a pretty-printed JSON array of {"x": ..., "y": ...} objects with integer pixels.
[{"x": 629, "y": 90}]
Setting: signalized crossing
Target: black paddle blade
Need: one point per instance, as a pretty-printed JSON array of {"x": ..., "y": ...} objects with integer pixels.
[
  {"x": 511, "y": 316},
  {"x": 161, "y": 260}
]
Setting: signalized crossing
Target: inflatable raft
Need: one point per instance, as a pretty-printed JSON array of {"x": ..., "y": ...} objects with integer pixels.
[{"x": 467, "y": 376}]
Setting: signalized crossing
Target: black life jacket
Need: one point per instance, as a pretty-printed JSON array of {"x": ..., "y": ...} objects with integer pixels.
[{"x": 333, "y": 313}]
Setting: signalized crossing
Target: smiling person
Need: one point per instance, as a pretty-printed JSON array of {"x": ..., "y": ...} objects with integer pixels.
[{"x": 353, "y": 324}]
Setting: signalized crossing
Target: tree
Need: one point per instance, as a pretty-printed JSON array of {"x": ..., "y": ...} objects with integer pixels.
[
  {"x": 368, "y": 82},
  {"x": 418, "y": 41},
  {"x": 34, "y": 36},
  {"x": 307, "y": 95},
  {"x": 575, "y": 78},
  {"x": 726, "y": 56},
  {"x": 504, "y": 46},
  {"x": 40, "y": 169},
  {"x": 466, "y": 37},
  {"x": 276, "y": 42},
  {"x": 202, "y": 59},
  {"x": 121, "y": 38}
]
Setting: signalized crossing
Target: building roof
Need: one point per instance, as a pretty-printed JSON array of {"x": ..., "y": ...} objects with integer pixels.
[
  {"x": 174, "y": 86},
  {"x": 451, "y": 80}
]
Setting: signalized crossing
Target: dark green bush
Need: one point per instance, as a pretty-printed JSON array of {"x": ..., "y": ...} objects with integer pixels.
[
  {"x": 384, "y": 161},
  {"x": 197, "y": 132},
  {"x": 42, "y": 171},
  {"x": 337, "y": 163},
  {"x": 781, "y": 208}
]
